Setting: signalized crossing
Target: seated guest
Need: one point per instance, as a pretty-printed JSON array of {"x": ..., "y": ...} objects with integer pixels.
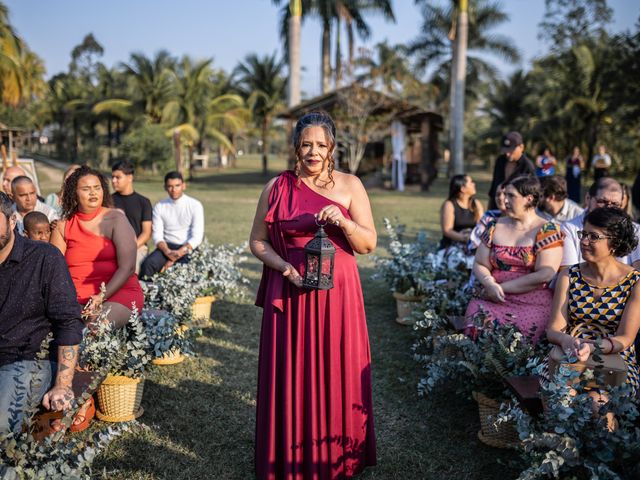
[
  {"x": 481, "y": 226},
  {"x": 178, "y": 227},
  {"x": 99, "y": 246},
  {"x": 554, "y": 202},
  {"x": 136, "y": 207},
  {"x": 608, "y": 286},
  {"x": 460, "y": 211},
  {"x": 54, "y": 200},
  {"x": 36, "y": 272},
  {"x": 605, "y": 192},
  {"x": 37, "y": 226},
  {"x": 26, "y": 200},
  {"x": 8, "y": 176},
  {"x": 458, "y": 215},
  {"x": 519, "y": 255},
  {"x": 627, "y": 206}
]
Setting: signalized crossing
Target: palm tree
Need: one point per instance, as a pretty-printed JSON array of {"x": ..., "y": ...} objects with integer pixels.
[
  {"x": 292, "y": 17},
  {"x": 11, "y": 47},
  {"x": 507, "y": 105},
  {"x": 112, "y": 105},
  {"x": 442, "y": 41},
  {"x": 261, "y": 83},
  {"x": 153, "y": 83},
  {"x": 388, "y": 66},
  {"x": 21, "y": 71},
  {"x": 328, "y": 11}
]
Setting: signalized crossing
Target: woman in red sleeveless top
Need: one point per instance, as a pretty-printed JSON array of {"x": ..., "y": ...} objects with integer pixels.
[
  {"x": 314, "y": 405},
  {"x": 99, "y": 246}
]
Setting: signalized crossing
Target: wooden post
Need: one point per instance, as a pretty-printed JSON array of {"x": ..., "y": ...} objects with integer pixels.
[{"x": 5, "y": 158}]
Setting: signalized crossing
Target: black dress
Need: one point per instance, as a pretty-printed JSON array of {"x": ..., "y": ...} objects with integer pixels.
[
  {"x": 573, "y": 177},
  {"x": 463, "y": 219}
]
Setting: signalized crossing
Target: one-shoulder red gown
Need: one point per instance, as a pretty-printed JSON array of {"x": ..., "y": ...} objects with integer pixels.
[
  {"x": 314, "y": 406},
  {"x": 92, "y": 261}
]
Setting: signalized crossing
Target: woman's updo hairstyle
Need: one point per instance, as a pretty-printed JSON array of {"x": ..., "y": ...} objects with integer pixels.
[
  {"x": 617, "y": 225},
  {"x": 315, "y": 119},
  {"x": 527, "y": 185}
]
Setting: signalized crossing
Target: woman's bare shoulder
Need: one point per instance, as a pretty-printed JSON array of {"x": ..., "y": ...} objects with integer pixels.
[
  {"x": 346, "y": 180},
  {"x": 114, "y": 214}
]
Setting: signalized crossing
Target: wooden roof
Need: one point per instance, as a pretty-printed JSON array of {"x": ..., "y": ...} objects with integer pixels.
[{"x": 408, "y": 113}]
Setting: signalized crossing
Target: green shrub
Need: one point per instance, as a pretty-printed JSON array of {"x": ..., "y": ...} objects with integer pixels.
[{"x": 148, "y": 147}]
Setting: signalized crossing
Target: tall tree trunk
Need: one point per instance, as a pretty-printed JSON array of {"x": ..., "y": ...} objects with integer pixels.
[
  {"x": 338, "y": 55},
  {"x": 294, "y": 52},
  {"x": 352, "y": 43},
  {"x": 325, "y": 77},
  {"x": 265, "y": 146},
  {"x": 460, "y": 73}
]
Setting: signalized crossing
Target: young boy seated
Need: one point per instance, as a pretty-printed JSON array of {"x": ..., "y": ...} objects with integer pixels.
[{"x": 36, "y": 226}]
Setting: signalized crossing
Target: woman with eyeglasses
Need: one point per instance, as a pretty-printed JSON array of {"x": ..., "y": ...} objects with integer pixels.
[
  {"x": 601, "y": 293},
  {"x": 519, "y": 255}
]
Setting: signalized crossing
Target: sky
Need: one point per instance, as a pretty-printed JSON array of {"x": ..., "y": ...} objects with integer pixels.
[{"x": 228, "y": 30}]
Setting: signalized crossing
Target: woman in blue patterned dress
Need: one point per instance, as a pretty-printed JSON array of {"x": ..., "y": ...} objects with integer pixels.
[{"x": 600, "y": 294}]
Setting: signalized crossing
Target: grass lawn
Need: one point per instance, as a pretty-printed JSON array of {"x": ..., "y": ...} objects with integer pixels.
[{"x": 199, "y": 415}]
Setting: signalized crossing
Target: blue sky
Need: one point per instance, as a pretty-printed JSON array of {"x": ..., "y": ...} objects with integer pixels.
[{"x": 227, "y": 30}]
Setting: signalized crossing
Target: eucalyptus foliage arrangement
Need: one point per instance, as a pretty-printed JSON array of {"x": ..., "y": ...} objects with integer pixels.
[
  {"x": 56, "y": 456},
  {"x": 165, "y": 334},
  {"x": 569, "y": 441},
  {"x": 217, "y": 269},
  {"x": 212, "y": 270},
  {"x": 407, "y": 263},
  {"x": 481, "y": 363},
  {"x": 123, "y": 351}
]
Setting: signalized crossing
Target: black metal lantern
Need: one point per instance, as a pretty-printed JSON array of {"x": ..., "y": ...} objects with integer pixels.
[{"x": 319, "y": 254}]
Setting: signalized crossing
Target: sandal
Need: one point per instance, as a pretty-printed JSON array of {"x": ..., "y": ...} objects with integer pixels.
[{"x": 82, "y": 421}]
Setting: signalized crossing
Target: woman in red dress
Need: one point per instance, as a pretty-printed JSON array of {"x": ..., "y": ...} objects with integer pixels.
[
  {"x": 314, "y": 408},
  {"x": 99, "y": 246}
]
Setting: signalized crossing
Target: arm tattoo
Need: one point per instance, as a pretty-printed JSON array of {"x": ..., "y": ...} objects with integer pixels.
[{"x": 68, "y": 353}]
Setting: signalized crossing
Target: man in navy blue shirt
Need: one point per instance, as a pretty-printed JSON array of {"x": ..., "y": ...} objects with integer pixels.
[{"x": 37, "y": 297}]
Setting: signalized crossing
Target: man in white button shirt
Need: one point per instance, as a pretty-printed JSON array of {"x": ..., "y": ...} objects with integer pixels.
[
  {"x": 178, "y": 227},
  {"x": 605, "y": 192}
]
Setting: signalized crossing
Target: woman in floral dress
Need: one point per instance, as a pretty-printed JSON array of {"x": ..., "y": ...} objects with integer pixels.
[{"x": 519, "y": 255}]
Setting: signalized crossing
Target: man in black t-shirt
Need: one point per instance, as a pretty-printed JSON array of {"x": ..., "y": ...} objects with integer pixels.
[
  {"x": 512, "y": 163},
  {"x": 136, "y": 207}
]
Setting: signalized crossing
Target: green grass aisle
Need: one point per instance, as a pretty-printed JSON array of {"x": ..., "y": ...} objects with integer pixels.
[{"x": 199, "y": 415}]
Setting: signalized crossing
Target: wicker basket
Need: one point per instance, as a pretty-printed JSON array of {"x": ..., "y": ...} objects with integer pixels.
[
  {"x": 119, "y": 399},
  {"x": 169, "y": 358},
  {"x": 405, "y": 304},
  {"x": 501, "y": 435},
  {"x": 201, "y": 310}
]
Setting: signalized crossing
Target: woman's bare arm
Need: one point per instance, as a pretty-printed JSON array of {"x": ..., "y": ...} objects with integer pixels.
[
  {"x": 447, "y": 219},
  {"x": 124, "y": 240},
  {"x": 57, "y": 236},
  {"x": 559, "y": 311},
  {"x": 360, "y": 231}
]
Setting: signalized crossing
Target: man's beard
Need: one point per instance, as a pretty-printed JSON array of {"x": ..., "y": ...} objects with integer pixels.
[{"x": 5, "y": 237}]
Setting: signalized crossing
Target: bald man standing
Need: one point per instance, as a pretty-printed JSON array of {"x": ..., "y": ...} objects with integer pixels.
[
  {"x": 9, "y": 174},
  {"x": 25, "y": 201}
]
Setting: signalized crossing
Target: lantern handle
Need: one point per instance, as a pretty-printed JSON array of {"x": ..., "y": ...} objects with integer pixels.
[{"x": 320, "y": 224}]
